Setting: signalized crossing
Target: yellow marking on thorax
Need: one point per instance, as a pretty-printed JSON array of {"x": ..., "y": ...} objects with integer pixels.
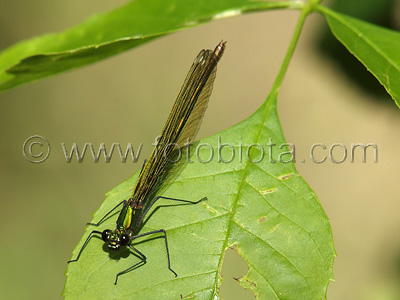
[{"x": 128, "y": 217}]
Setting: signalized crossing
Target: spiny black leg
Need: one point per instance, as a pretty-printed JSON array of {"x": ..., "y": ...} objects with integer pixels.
[
  {"x": 84, "y": 245},
  {"x": 143, "y": 261},
  {"x": 166, "y": 245},
  {"x": 168, "y": 198},
  {"x": 102, "y": 219},
  {"x": 180, "y": 200}
]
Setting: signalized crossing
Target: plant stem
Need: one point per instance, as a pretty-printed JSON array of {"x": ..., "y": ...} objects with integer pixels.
[{"x": 278, "y": 81}]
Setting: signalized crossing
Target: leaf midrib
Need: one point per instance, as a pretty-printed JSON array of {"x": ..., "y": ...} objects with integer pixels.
[{"x": 230, "y": 221}]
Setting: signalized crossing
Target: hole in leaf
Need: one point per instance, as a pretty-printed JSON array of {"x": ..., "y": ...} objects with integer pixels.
[{"x": 234, "y": 267}]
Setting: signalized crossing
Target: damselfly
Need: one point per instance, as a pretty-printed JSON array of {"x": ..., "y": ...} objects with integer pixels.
[{"x": 182, "y": 126}]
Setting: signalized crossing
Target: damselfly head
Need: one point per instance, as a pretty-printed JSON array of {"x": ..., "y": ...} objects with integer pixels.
[{"x": 115, "y": 239}]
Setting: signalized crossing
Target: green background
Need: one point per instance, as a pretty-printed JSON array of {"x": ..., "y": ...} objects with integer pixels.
[{"x": 127, "y": 98}]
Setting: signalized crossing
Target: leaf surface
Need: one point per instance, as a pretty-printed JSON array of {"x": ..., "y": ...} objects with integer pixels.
[{"x": 261, "y": 207}]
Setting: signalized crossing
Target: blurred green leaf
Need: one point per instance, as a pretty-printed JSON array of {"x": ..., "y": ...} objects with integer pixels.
[
  {"x": 380, "y": 13},
  {"x": 370, "y": 10},
  {"x": 265, "y": 210},
  {"x": 108, "y": 34},
  {"x": 377, "y": 48}
]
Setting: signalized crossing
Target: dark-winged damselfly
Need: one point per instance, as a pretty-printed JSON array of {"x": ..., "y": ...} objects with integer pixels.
[{"x": 182, "y": 126}]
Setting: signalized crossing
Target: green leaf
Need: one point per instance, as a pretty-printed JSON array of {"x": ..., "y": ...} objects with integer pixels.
[
  {"x": 105, "y": 35},
  {"x": 265, "y": 210},
  {"x": 377, "y": 48}
]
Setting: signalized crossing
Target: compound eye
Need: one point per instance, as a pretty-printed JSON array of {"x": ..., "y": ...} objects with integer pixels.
[
  {"x": 124, "y": 239},
  {"x": 106, "y": 235}
]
